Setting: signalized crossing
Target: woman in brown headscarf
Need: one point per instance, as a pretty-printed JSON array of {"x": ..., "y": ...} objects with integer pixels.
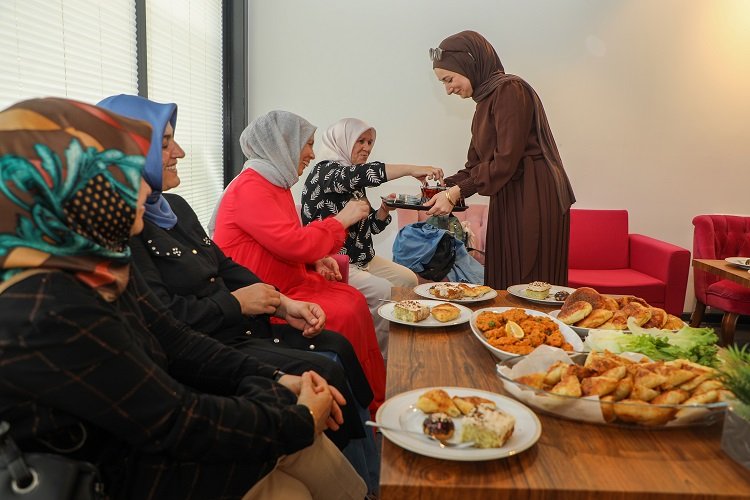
[{"x": 512, "y": 159}]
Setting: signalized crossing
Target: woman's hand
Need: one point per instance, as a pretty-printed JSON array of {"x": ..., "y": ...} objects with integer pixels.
[
  {"x": 258, "y": 298},
  {"x": 323, "y": 400},
  {"x": 383, "y": 211},
  {"x": 328, "y": 268},
  {"x": 427, "y": 173},
  {"x": 305, "y": 316},
  {"x": 443, "y": 202},
  {"x": 353, "y": 211}
]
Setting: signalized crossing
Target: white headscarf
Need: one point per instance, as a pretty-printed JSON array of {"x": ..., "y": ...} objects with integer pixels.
[
  {"x": 340, "y": 138},
  {"x": 272, "y": 144}
]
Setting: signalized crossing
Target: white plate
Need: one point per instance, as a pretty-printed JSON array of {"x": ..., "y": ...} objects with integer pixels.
[
  {"x": 399, "y": 411},
  {"x": 520, "y": 291},
  {"x": 582, "y": 332},
  {"x": 741, "y": 262},
  {"x": 570, "y": 335},
  {"x": 423, "y": 290},
  {"x": 386, "y": 311}
]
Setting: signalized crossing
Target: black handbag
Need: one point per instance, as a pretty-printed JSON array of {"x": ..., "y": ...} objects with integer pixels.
[
  {"x": 442, "y": 260},
  {"x": 44, "y": 476}
]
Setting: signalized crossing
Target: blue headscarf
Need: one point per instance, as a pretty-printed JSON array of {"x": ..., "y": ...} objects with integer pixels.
[{"x": 158, "y": 115}]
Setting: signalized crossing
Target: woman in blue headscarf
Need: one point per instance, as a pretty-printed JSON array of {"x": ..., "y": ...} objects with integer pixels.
[
  {"x": 214, "y": 295},
  {"x": 94, "y": 366}
]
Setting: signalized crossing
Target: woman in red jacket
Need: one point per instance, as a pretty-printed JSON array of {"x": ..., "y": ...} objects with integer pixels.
[{"x": 257, "y": 225}]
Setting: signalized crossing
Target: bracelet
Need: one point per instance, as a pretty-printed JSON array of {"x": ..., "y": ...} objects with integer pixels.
[
  {"x": 312, "y": 415},
  {"x": 448, "y": 197}
]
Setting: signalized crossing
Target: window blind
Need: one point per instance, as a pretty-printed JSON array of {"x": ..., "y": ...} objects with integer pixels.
[
  {"x": 79, "y": 49},
  {"x": 184, "y": 50}
]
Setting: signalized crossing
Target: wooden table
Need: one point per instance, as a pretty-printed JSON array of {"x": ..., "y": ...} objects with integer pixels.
[
  {"x": 570, "y": 460},
  {"x": 724, "y": 270}
]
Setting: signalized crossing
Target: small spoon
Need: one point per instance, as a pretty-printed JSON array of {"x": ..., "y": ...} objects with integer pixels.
[{"x": 441, "y": 443}]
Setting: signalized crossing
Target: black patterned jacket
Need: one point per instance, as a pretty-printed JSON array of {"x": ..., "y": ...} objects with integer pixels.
[
  {"x": 329, "y": 187},
  {"x": 170, "y": 413}
]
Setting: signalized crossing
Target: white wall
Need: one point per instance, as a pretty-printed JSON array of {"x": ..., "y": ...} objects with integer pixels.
[{"x": 649, "y": 101}]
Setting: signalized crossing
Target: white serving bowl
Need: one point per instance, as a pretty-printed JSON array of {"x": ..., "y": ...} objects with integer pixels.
[{"x": 570, "y": 336}]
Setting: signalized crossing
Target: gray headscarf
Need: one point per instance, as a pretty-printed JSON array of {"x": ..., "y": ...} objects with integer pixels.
[{"x": 272, "y": 144}]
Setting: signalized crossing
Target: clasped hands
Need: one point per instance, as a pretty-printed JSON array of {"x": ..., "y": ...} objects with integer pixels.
[
  {"x": 324, "y": 400},
  {"x": 261, "y": 298}
]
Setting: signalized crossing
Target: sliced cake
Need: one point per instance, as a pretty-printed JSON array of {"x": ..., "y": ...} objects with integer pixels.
[
  {"x": 410, "y": 310},
  {"x": 487, "y": 427},
  {"x": 447, "y": 291}
]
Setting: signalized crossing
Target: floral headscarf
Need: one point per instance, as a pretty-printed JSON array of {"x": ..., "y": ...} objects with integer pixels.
[
  {"x": 69, "y": 179},
  {"x": 340, "y": 138},
  {"x": 157, "y": 115}
]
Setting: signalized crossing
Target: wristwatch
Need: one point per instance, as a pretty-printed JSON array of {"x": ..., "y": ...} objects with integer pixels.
[{"x": 277, "y": 374}]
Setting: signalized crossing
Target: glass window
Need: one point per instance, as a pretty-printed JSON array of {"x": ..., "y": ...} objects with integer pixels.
[
  {"x": 79, "y": 49},
  {"x": 184, "y": 47}
]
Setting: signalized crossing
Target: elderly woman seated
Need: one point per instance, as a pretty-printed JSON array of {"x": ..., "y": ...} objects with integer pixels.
[
  {"x": 342, "y": 174},
  {"x": 214, "y": 295},
  {"x": 93, "y": 361},
  {"x": 256, "y": 224}
]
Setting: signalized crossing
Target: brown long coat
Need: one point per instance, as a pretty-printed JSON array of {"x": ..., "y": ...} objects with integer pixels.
[{"x": 527, "y": 230}]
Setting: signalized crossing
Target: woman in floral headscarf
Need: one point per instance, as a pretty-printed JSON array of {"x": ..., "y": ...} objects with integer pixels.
[
  {"x": 512, "y": 159},
  {"x": 94, "y": 366},
  {"x": 258, "y": 226}
]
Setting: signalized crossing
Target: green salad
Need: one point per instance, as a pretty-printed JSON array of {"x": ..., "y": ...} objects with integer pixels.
[{"x": 694, "y": 344}]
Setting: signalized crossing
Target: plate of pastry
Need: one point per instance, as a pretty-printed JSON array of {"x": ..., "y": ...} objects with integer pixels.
[
  {"x": 626, "y": 390},
  {"x": 541, "y": 292},
  {"x": 587, "y": 309},
  {"x": 741, "y": 262},
  {"x": 455, "y": 292},
  {"x": 425, "y": 313},
  {"x": 498, "y": 426}
]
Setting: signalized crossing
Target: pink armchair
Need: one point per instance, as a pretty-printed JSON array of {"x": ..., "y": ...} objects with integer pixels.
[
  {"x": 604, "y": 256},
  {"x": 475, "y": 214},
  {"x": 718, "y": 237}
]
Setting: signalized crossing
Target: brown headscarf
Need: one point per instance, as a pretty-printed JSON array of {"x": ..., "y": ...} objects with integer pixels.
[
  {"x": 485, "y": 73},
  {"x": 483, "y": 67},
  {"x": 69, "y": 179}
]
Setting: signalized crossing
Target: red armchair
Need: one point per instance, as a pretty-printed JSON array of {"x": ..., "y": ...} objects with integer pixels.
[
  {"x": 604, "y": 256},
  {"x": 718, "y": 237}
]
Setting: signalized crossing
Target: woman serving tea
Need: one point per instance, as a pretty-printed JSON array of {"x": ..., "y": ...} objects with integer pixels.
[{"x": 512, "y": 159}]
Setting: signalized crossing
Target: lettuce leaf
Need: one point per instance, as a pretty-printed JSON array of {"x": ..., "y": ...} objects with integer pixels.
[{"x": 694, "y": 344}]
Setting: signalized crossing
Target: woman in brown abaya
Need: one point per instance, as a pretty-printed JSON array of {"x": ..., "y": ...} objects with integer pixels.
[{"x": 512, "y": 159}]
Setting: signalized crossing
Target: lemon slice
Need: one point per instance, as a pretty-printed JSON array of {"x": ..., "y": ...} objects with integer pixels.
[{"x": 514, "y": 329}]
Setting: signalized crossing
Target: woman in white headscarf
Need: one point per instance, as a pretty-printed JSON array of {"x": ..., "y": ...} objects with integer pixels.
[
  {"x": 256, "y": 224},
  {"x": 342, "y": 174}
]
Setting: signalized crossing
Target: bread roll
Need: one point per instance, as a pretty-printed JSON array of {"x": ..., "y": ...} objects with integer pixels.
[
  {"x": 573, "y": 312},
  {"x": 445, "y": 312}
]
